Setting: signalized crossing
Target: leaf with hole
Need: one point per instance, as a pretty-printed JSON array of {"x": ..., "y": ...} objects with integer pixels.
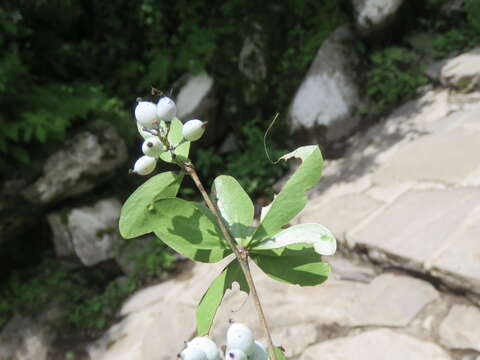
[
  {"x": 212, "y": 298},
  {"x": 293, "y": 198}
]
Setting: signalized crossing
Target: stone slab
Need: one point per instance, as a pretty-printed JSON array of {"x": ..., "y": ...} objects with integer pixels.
[
  {"x": 340, "y": 214},
  {"x": 461, "y": 328},
  {"x": 391, "y": 300},
  {"x": 378, "y": 344},
  {"x": 460, "y": 261},
  {"x": 416, "y": 225},
  {"x": 433, "y": 158}
]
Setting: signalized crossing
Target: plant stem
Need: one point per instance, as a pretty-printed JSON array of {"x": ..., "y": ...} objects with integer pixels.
[{"x": 241, "y": 256}]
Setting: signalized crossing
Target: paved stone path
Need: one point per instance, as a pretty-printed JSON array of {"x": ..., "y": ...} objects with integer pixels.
[{"x": 404, "y": 204}]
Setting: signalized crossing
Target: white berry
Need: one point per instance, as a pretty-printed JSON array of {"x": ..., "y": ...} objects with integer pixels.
[
  {"x": 259, "y": 353},
  {"x": 207, "y": 346},
  {"x": 144, "y": 165},
  {"x": 192, "y": 353},
  {"x": 193, "y": 129},
  {"x": 166, "y": 109},
  {"x": 146, "y": 114},
  {"x": 239, "y": 336},
  {"x": 235, "y": 354},
  {"x": 153, "y": 147}
]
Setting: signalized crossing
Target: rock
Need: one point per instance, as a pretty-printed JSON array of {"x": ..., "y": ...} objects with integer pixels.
[
  {"x": 415, "y": 226},
  {"x": 89, "y": 233},
  {"x": 345, "y": 269},
  {"x": 376, "y": 345},
  {"x": 328, "y": 97},
  {"x": 458, "y": 263},
  {"x": 461, "y": 328},
  {"x": 461, "y": 159},
  {"x": 85, "y": 162},
  {"x": 339, "y": 214},
  {"x": 196, "y": 100},
  {"x": 253, "y": 65},
  {"x": 252, "y": 61},
  {"x": 25, "y": 339},
  {"x": 374, "y": 15},
  {"x": 294, "y": 339},
  {"x": 379, "y": 302},
  {"x": 463, "y": 71}
]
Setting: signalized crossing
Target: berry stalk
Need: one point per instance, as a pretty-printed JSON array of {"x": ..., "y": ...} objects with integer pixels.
[{"x": 240, "y": 254}]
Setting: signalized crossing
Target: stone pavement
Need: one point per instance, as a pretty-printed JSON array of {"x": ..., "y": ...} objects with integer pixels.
[{"x": 404, "y": 204}]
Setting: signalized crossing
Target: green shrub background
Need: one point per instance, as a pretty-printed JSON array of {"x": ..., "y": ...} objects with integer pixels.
[{"x": 65, "y": 63}]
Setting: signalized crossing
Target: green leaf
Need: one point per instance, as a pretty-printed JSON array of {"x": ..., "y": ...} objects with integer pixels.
[
  {"x": 136, "y": 217},
  {"x": 293, "y": 264},
  {"x": 201, "y": 255},
  {"x": 186, "y": 227},
  {"x": 212, "y": 298},
  {"x": 174, "y": 137},
  {"x": 293, "y": 198},
  {"x": 235, "y": 206},
  {"x": 279, "y": 353},
  {"x": 319, "y": 236}
]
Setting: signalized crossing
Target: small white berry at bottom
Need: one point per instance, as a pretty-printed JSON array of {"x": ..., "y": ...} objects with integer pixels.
[
  {"x": 239, "y": 336},
  {"x": 166, "y": 109},
  {"x": 207, "y": 346},
  {"x": 193, "y": 129},
  {"x": 153, "y": 147},
  {"x": 235, "y": 354},
  {"x": 146, "y": 114},
  {"x": 144, "y": 165},
  {"x": 192, "y": 353}
]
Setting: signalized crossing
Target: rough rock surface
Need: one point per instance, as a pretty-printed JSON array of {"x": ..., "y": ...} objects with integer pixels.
[
  {"x": 463, "y": 72},
  {"x": 24, "y": 339},
  {"x": 373, "y": 15},
  {"x": 376, "y": 345},
  {"x": 328, "y": 96},
  {"x": 88, "y": 233},
  {"x": 460, "y": 328},
  {"x": 86, "y": 162}
]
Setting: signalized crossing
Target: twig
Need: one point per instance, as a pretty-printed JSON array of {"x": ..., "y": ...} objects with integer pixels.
[{"x": 240, "y": 254}]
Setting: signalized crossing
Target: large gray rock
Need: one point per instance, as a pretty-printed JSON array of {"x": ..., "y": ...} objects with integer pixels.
[
  {"x": 373, "y": 15},
  {"x": 376, "y": 345},
  {"x": 463, "y": 72},
  {"x": 461, "y": 328},
  {"x": 89, "y": 233},
  {"x": 197, "y": 100},
  {"x": 87, "y": 160},
  {"x": 25, "y": 339},
  {"x": 328, "y": 97}
]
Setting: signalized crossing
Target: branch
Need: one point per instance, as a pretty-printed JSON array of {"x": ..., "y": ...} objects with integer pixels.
[{"x": 240, "y": 254}]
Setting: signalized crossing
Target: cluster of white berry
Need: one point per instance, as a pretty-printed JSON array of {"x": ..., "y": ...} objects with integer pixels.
[
  {"x": 241, "y": 345},
  {"x": 152, "y": 123}
]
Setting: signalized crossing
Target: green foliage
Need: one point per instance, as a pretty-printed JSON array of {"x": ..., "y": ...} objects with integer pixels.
[
  {"x": 394, "y": 76},
  {"x": 249, "y": 165},
  {"x": 472, "y": 7},
  {"x": 292, "y": 255},
  {"x": 82, "y": 306}
]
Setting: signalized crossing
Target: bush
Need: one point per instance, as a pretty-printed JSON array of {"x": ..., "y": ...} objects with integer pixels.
[{"x": 395, "y": 75}]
